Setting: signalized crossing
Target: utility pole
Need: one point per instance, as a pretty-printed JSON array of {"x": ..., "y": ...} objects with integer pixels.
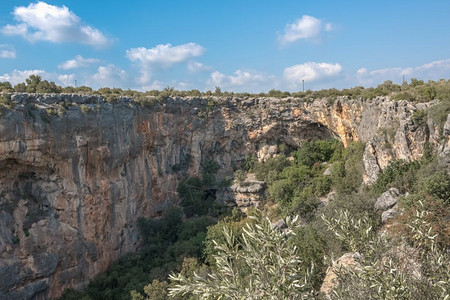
[
  {"x": 75, "y": 83},
  {"x": 303, "y": 81}
]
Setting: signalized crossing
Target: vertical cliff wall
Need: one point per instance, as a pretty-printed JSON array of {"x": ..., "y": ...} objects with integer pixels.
[{"x": 77, "y": 172}]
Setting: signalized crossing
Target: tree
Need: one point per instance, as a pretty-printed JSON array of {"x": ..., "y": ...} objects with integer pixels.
[
  {"x": 430, "y": 93},
  {"x": 47, "y": 87},
  {"x": 5, "y": 87},
  {"x": 416, "y": 82},
  {"x": 157, "y": 290},
  {"x": 32, "y": 83},
  {"x": 20, "y": 87},
  {"x": 262, "y": 264}
]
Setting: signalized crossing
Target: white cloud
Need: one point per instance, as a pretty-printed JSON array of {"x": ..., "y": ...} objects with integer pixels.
[
  {"x": 155, "y": 85},
  {"x": 17, "y": 76},
  {"x": 241, "y": 80},
  {"x": 66, "y": 79},
  {"x": 77, "y": 62},
  {"x": 195, "y": 66},
  {"x": 310, "y": 72},
  {"x": 165, "y": 56},
  {"x": 162, "y": 57},
  {"x": 159, "y": 85},
  {"x": 7, "y": 51},
  {"x": 109, "y": 76},
  {"x": 44, "y": 22},
  {"x": 307, "y": 27},
  {"x": 430, "y": 71},
  {"x": 361, "y": 71}
]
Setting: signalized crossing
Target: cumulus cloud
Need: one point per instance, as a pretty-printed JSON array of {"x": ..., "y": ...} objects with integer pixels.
[
  {"x": 247, "y": 80},
  {"x": 195, "y": 66},
  {"x": 307, "y": 27},
  {"x": 162, "y": 57},
  {"x": 18, "y": 76},
  {"x": 66, "y": 79},
  {"x": 361, "y": 71},
  {"x": 44, "y": 22},
  {"x": 110, "y": 76},
  {"x": 160, "y": 85},
  {"x": 165, "y": 56},
  {"x": 310, "y": 72},
  {"x": 430, "y": 71},
  {"x": 7, "y": 51},
  {"x": 77, "y": 62}
]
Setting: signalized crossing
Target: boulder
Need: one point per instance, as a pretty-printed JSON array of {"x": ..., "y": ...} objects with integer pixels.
[
  {"x": 348, "y": 260},
  {"x": 388, "y": 199},
  {"x": 389, "y": 214}
]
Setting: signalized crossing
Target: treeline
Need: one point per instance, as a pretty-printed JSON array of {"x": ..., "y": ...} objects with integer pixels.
[{"x": 417, "y": 90}]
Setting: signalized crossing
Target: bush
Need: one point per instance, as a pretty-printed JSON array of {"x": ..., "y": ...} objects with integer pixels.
[
  {"x": 85, "y": 108},
  {"x": 263, "y": 264},
  {"x": 420, "y": 118},
  {"x": 436, "y": 186},
  {"x": 315, "y": 152},
  {"x": 399, "y": 173},
  {"x": 386, "y": 272},
  {"x": 240, "y": 176},
  {"x": 348, "y": 168},
  {"x": 311, "y": 245},
  {"x": 277, "y": 164}
]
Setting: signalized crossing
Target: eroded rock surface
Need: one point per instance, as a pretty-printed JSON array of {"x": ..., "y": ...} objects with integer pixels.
[
  {"x": 388, "y": 199},
  {"x": 248, "y": 193},
  {"x": 76, "y": 172},
  {"x": 347, "y": 261}
]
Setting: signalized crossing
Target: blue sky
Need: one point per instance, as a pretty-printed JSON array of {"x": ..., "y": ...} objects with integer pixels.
[{"x": 237, "y": 45}]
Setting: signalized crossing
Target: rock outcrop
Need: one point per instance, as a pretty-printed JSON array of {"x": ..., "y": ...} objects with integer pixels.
[
  {"x": 347, "y": 261},
  {"x": 248, "y": 193},
  {"x": 76, "y": 172},
  {"x": 387, "y": 200}
]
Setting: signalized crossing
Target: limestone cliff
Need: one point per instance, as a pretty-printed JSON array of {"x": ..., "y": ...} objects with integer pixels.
[{"x": 77, "y": 172}]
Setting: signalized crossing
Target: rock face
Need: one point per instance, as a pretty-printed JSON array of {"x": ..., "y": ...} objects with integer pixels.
[
  {"x": 248, "y": 193},
  {"x": 77, "y": 172},
  {"x": 350, "y": 260}
]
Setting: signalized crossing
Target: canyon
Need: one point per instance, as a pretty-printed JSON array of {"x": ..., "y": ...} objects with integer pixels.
[{"x": 77, "y": 172}]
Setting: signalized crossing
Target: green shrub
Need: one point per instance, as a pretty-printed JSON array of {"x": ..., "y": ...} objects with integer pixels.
[
  {"x": 440, "y": 111},
  {"x": 347, "y": 168},
  {"x": 399, "y": 173},
  {"x": 263, "y": 264},
  {"x": 240, "y": 176},
  {"x": 85, "y": 108},
  {"x": 192, "y": 196},
  {"x": 436, "y": 186},
  {"x": 315, "y": 152},
  {"x": 420, "y": 118},
  {"x": 384, "y": 271},
  {"x": 277, "y": 163}
]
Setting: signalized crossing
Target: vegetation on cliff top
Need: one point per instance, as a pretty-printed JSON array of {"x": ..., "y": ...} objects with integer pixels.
[{"x": 416, "y": 90}]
